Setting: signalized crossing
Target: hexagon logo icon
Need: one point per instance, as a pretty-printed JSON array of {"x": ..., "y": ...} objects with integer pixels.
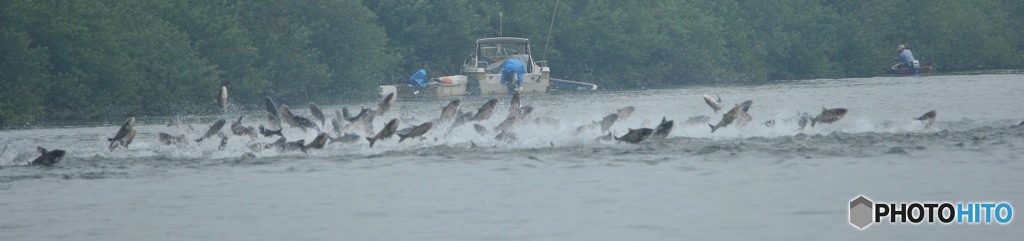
[{"x": 861, "y": 215}]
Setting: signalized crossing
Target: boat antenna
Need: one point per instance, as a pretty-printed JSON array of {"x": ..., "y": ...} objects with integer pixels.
[
  {"x": 500, "y": 15},
  {"x": 550, "y": 27}
]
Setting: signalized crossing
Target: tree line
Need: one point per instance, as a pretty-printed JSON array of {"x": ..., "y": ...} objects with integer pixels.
[{"x": 101, "y": 59}]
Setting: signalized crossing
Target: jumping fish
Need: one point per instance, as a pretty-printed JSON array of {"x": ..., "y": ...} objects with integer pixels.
[
  {"x": 516, "y": 102},
  {"x": 736, "y": 113},
  {"x": 485, "y": 111},
  {"x": 318, "y": 114},
  {"x": 222, "y": 98},
  {"x": 346, "y": 138},
  {"x": 928, "y": 118},
  {"x": 416, "y": 131},
  {"x": 636, "y": 135},
  {"x": 607, "y": 121},
  {"x": 239, "y": 130},
  {"x": 625, "y": 112},
  {"x": 47, "y": 158},
  {"x": 829, "y": 115},
  {"x": 449, "y": 111},
  {"x": 168, "y": 139},
  {"x": 214, "y": 129},
  {"x": 124, "y": 135},
  {"x": 387, "y": 132},
  {"x": 385, "y": 104},
  {"x": 317, "y": 143},
  {"x": 664, "y": 128},
  {"x": 268, "y": 133},
  {"x": 716, "y": 104}
]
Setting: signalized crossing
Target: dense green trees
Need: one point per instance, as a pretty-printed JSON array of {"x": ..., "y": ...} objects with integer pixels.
[{"x": 84, "y": 60}]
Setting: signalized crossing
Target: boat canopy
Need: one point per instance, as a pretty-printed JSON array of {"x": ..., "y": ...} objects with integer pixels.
[
  {"x": 492, "y": 52},
  {"x": 502, "y": 40}
]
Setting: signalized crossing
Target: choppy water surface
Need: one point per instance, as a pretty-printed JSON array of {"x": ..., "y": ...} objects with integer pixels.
[{"x": 742, "y": 182}]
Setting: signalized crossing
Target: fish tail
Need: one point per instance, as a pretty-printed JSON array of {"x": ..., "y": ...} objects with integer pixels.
[
  {"x": 371, "y": 141},
  {"x": 402, "y": 138},
  {"x": 713, "y": 128}
]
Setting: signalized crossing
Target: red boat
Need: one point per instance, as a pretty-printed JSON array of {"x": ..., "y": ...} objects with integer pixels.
[{"x": 923, "y": 70}]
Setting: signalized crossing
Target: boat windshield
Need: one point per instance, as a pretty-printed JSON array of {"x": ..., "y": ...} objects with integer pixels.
[{"x": 495, "y": 54}]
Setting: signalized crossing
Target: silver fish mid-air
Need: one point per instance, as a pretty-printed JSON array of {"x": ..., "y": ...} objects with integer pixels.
[
  {"x": 239, "y": 130},
  {"x": 636, "y": 135},
  {"x": 214, "y": 129},
  {"x": 268, "y": 133},
  {"x": 608, "y": 121},
  {"x": 179, "y": 123},
  {"x": 124, "y": 135},
  {"x": 485, "y": 111},
  {"x": 287, "y": 116},
  {"x": 746, "y": 105},
  {"x": 305, "y": 124},
  {"x": 47, "y": 158},
  {"x": 415, "y": 132},
  {"x": 385, "y": 104},
  {"x": 317, "y": 143},
  {"x": 480, "y": 129},
  {"x": 318, "y": 114},
  {"x": 168, "y": 139},
  {"x": 273, "y": 117},
  {"x": 804, "y": 118},
  {"x": 928, "y": 118},
  {"x": 506, "y": 137},
  {"x": 828, "y": 116},
  {"x": 296, "y": 120},
  {"x": 450, "y": 111},
  {"x": 664, "y": 128},
  {"x": 516, "y": 103},
  {"x": 387, "y": 132},
  {"x": 222, "y": 98},
  {"x": 625, "y": 112},
  {"x": 716, "y": 104},
  {"x": 346, "y": 138},
  {"x": 736, "y": 113}
]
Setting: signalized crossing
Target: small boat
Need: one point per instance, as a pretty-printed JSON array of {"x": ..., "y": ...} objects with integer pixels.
[
  {"x": 922, "y": 70},
  {"x": 484, "y": 67},
  {"x": 569, "y": 85},
  {"x": 446, "y": 86}
]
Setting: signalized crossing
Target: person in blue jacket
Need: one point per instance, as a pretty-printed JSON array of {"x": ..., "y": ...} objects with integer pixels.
[
  {"x": 513, "y": 69},
  {"x": 419, "y": 80}
]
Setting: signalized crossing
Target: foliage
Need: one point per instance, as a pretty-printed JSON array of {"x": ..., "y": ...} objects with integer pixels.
[{"x": 87, "y": 60}]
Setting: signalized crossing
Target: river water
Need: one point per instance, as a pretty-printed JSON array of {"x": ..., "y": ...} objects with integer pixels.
[{"x": 742, "y": 182}]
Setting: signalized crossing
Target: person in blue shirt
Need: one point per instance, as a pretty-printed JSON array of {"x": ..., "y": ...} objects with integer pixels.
[
  {"x": 905, "y": 57},
  {"x": 513, "y": 69}
]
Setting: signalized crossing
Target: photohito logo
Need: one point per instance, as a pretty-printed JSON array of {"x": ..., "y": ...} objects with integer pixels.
[{"x": 864, "y": 212}]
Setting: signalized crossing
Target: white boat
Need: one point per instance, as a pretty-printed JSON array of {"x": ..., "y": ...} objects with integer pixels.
[
  {"x": 441, "y": 87},
  {"x": 484, "y": 67}
]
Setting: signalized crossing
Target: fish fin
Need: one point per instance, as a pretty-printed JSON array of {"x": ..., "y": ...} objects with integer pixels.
[
  {"x": 40, "y": 150},
  {"x": 371, "y": 140},
  {"x": 713, "y": 128},
  {"x": 402, "y": 138}
]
